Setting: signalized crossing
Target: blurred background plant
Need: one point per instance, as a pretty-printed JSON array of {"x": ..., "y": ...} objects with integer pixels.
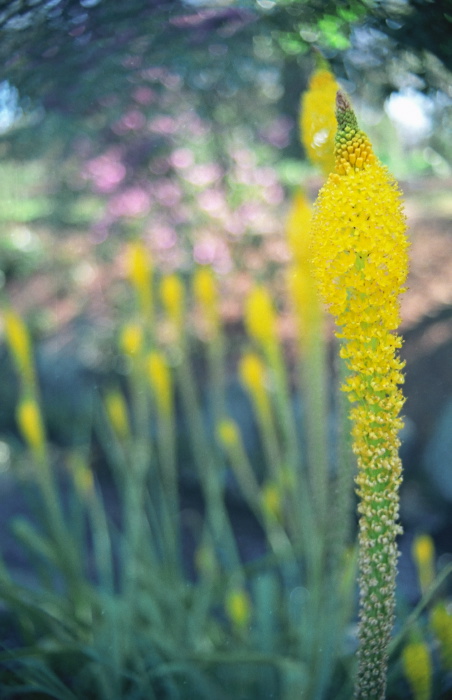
[{"x": 150, "y": 157}]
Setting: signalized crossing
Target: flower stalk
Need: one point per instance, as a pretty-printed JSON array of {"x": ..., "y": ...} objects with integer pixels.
[{"x": 359, "y": 253}]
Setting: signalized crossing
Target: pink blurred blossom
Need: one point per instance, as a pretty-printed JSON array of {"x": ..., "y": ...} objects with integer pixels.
[
  {"x": 213, "y": 202},
  {"x": 243, "y": 157},
  {"x": 203, "y": 175},
  {"x": 274, "y": 194},
  {"x": 144, "y": 95},
  {"x": 265, "y": 176},
  {"x": 167, "y": 193},
  {"x": 278, "y": 132},
  {"x": 131, "y": 121},
  {"x": 212, "y": 251},
  {"x": 182, "y": 158},
  {"x": 133, "y": 201},
  {"x": 163, "y": 125},
  {"x": 164, "y": 237},
  {"x": 106, "y": 171}
]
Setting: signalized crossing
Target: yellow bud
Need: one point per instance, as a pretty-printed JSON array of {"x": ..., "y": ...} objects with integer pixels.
[
  {"x": 441, "y": 623},
  {"x": 271, "y": 500},
  {"x": 172, "y": 294},
  {"x": 161, "y": 382},
  {"x": 238, "y": 607},
  {"x": 423, "y": 551},
  {"x": 139, "y": 271},
  {"x": 252, "y": 372},
  {"x": 417, "y": 667},
  {"x": 117, "y": 413},
  {"x": 131, "y": 339},
  {"x": 260, "y": 318},
  {"x": 29, "y": 421},
  {"x": 228, "y": 433},
  {"x": 18, "y": 340}
]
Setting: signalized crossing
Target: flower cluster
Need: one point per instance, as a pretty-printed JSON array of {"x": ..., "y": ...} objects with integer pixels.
[{"x": 359, "y": 251}]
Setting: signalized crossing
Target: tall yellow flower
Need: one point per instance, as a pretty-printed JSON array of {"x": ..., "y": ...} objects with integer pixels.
[
  {"x": 317, "y": 119},
  {"x": 359, "y": 254}
]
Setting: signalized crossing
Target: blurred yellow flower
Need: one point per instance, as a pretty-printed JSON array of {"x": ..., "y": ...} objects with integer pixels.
[
  {"x": 417, "y": 666},
  {"x": 317, "y": 119},
  {"x": 82, "y": 474},
  {"x": 301, "y": 282},
  {"x": 172, "y": 294},
  {"x": 18, "y": 339},
  {"x": 228, "y": 432},
  {"x": 117, "y": 413},
  {"x": 206, "y": 294},
  {"x": 423, "y": 550},
  {"x": 131, "y": 339},
  {"x": 271, "y": 500},
  {"x": 252, "y": 373},
  {"x": 139, "y": 272},
  {"x": 29, "y": 421},
  {"x": 260, "y": 319},
  {"x": 238, "y": 607},
  {"x": 161, "y": 382},
  {"x": 441, "y": 624}
]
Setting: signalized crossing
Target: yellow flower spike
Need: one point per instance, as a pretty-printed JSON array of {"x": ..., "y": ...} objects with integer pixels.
[
  {"x": 228, "y": 433},
  {"x": 131, "y": 339},
  {"x": 139, "y": 272},
  {"x": 206, "y": 294},
  {"x": 417, "y": 666},
  {"x": 317, "y": 119},
  {"x": 117, "y": 413},
  {"x": 29, "y": 421},
  {"x": 161, "y": 382},
  {"x": 359, "y": 257},
  {"x": 238, "y": 608},
  {"x": 260, "y": 319},
  {"x": 18, "y": 339},
  {"x": 172, "y": 294},
  {"x": 423, "y": 550},
  {"x": 441, "y": 624}
]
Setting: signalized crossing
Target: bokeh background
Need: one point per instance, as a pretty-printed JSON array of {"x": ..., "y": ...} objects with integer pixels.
[{"x": 178, "y": 122}]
